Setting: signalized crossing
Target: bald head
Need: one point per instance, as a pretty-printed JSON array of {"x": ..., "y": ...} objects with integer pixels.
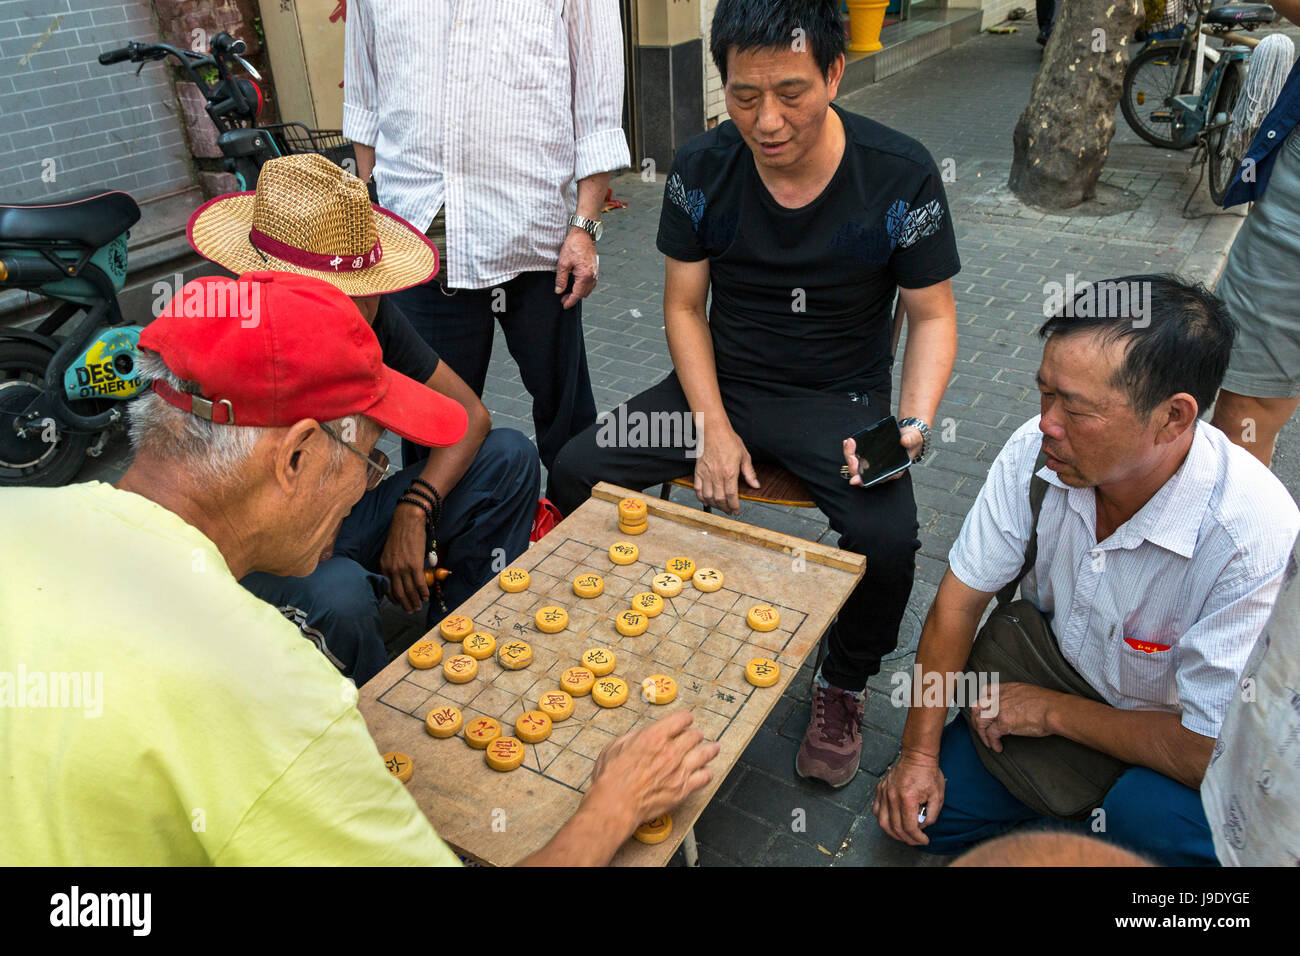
[{"x": 1048, "y": 848}]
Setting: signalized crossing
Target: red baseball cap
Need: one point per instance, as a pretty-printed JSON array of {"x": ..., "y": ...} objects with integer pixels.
[{"x": 273, "y": 348}]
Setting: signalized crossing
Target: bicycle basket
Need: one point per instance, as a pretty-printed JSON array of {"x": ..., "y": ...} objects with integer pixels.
[
  {"x": 330, "y": 143},
  {"x": 1165, "y": 18}
]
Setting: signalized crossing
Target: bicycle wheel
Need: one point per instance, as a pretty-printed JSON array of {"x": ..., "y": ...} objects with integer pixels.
[
  {"x": 1223, "y": 161},
  {"x": 1148, "y": 87}
]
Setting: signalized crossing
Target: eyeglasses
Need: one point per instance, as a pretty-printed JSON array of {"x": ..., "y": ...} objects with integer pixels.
[{"x": 377, "y": 460}]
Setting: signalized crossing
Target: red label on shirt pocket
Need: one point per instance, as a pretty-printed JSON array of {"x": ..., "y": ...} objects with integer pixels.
[{"x": 1146, "y": 647}]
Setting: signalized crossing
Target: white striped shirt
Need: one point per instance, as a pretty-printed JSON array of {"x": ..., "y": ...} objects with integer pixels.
[
  {"x": 1197, "y": 571},
  {"x": 495, "y": 108}
]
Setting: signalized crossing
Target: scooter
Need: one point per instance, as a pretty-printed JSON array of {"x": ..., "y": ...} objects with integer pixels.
[{"x": 62, "y": 386}]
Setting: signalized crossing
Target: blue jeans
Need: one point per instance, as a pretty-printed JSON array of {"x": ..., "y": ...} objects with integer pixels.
[
  {"x": 1145, "y": 811},
  {"x": 488, "y": 516}
]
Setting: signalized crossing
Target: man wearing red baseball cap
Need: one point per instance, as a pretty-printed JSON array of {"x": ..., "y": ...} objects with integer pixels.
[
  {"x": 468, "y": 507},
  {"x": 169, "y": 716}
]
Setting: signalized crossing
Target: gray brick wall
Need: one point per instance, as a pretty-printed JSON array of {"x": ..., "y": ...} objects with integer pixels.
[{"x": 101, "y": 126}]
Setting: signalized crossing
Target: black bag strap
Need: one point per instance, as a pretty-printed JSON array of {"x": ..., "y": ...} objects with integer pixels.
[{"x": 1037, "y": 492}]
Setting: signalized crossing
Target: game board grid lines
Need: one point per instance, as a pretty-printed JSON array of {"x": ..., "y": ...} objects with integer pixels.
[{"x": 700, "y": 638}]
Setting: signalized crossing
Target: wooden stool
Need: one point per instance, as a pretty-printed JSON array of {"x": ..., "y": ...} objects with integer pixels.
[{"x": 776, "y": 486}]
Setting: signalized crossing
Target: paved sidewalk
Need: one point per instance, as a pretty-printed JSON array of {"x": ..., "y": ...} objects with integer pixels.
[{"x": 963, "y": 107}]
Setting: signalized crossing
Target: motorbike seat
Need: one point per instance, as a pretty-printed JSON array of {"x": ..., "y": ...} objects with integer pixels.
[
  {"x": 1241, "y": 15},
  {"x": 91, "y": 219}
]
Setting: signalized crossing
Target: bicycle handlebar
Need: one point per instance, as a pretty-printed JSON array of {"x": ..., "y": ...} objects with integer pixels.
[{"x": 116, "y": 56}]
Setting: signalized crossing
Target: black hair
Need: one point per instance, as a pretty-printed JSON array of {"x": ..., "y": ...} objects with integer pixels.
[
  {"x": 767, "y": 24},
  {"x": 1181, "y": 342}
]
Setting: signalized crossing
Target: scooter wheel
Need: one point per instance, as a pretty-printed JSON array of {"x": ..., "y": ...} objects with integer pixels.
[{"x": 29, "y": 460}]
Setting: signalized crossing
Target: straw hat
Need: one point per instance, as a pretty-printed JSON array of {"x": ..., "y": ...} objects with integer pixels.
[{"x": 313, "y": 218}]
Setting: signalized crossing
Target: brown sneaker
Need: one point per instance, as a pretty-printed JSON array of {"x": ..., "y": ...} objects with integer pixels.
[{"x": 832, "y": 744}]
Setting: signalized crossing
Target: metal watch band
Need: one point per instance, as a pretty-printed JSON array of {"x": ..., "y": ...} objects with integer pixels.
[
  {"x": 924, "y": 429},
  {"x": 590, "y": 226}
]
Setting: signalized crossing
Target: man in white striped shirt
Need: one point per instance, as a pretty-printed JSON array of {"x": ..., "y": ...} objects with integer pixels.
[
  {"x": 493, "y": 127},
  {"x": 1161, "y": 551}
]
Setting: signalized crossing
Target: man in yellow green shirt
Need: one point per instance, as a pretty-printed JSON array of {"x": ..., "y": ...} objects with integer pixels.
[{"x": 153, "y": 711}]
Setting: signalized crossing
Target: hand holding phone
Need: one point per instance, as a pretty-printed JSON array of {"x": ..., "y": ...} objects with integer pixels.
[{"x": 875, "y": 454}]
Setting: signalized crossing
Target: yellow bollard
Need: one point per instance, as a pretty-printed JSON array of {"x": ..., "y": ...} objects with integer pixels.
[{"x": 866, "y": 17}]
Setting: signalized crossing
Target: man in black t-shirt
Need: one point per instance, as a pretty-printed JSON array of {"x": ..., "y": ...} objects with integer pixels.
[
  {"x": 480, "y": 494},
  {"x": 803, "y": 221}
]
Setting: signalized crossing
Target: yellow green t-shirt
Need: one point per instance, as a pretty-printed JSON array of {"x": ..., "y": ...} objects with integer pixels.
[{"x": 154, "y": 712}]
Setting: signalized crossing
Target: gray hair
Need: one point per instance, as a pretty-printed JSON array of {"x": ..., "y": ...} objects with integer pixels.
[{"x": 212, "y": 454}]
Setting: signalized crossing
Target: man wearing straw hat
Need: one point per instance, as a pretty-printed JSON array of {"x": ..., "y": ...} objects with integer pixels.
[{"x": 461, "y": 508}]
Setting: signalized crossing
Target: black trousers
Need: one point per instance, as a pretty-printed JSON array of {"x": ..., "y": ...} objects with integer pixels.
[
  {"x": 801, "y": 430},
  {"x": 544, "y": 339}
]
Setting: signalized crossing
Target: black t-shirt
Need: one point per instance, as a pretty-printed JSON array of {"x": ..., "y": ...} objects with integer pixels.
[
  {"x": 881, "y": 222},
  {"x": 404, "y": 350}
]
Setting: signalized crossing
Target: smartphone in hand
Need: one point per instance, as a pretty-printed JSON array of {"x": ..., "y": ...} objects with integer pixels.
[{"x": 880, "y": 452}]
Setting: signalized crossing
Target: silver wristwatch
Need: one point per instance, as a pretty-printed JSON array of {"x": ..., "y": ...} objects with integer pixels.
[
  {"x": 924, "y": 429},
  {"x": 592, "y": 227}
]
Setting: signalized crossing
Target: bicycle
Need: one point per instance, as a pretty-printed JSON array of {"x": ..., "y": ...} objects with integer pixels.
[
  {"x": 63, "y": 384},
  {"x": 234, "y": 103},
  {"x": 1180, "y": 93}
]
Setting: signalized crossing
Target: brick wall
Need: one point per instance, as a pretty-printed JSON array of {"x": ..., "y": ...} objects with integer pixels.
[{"x": 88, "y": 126}]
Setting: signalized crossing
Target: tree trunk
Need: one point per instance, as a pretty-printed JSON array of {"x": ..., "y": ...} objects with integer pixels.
[{"x": 1064, "y": 133}]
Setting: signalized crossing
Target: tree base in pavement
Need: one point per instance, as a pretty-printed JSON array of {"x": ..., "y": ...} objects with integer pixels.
[{"x": 1063, "y": 136}]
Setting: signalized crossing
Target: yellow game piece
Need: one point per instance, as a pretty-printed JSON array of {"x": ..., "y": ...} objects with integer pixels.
[
  {"x": 533, "y": 726},
  {"x": 623, "y": 552},
  {"x": 460, "y": 668},
  {"x": 513, "y": 580},
  {"x": 655, "y": 831},
  {"x": 479, "y": 645},
  {"x": 444, "y": 721},
  {"x": 424, "y": 654},
  {"x": 482, "y": 731},
  {"x": 707, "y": 579},
  {"x": 577, "y": 681},
  {"x": 631, "y": 623},
  {"x": 399, "y": 765},
  {"x": 505, "y": 753},
  {"x": 599, "y": 660},
  {"x": 609, "y": 691},
  {"x": 762, "y": 672},
  {"x": 666, "y": 584},
  {"x": 658, "y": 689},
  {"x": 551, "y": 619},
  {"x": 588, "y": 585},
  {"x": 556, "y": 704},
  {"x": 648, "y": 603},
  {"x": 632, "y": 512},
  {"x": 682, "y": 567},
  {"x": 456, "y": 628},
  {"x": 632, "y": 529},
  {"x": 763, "y": 617},
  {"x": 515, "y": 655}
]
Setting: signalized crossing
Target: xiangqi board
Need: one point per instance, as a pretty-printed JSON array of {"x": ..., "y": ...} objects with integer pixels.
[{"x": 700, "y": 639}]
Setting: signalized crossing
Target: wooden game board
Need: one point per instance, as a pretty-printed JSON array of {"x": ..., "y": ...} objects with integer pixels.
[{"x": 700, "y": 639}]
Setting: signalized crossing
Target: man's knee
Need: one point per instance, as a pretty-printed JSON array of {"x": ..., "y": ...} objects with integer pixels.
[
  {"x": 1156, "y": 815},
  {"x": 511, "y": 451},
  {"x": 340, "y": 600}
]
